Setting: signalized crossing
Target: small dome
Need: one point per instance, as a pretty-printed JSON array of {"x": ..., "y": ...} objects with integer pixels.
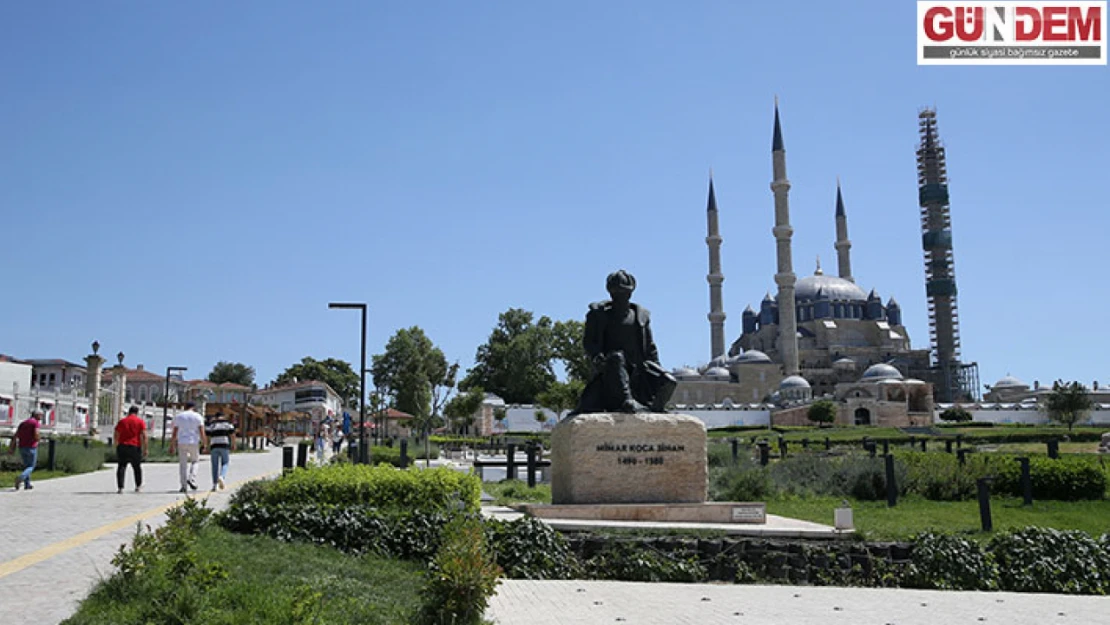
[
  {"x": 719, "y": 361},
  {"x": 794, "y": 381},
  {"x": 752, "y": 355},
  {"x": 1010, "y": 382},
  {"x": 845, "y": 363},
  {"x": 881, "y": 371},
  {"x": 717, "y": 372},
  {"x": 684, "y": 373}
]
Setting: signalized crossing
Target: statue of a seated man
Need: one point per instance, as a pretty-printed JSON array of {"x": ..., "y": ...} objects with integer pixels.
[{"x": 627, "y": 374}]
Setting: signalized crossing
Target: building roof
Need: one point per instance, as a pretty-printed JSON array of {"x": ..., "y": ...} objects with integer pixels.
[
  {"x": 52, "y": 362},
  {"x": 751, "y": 356},
  {"x": 292, "y": 386},
  {"x": 1010, "y": 382},
  {"x": 793, "y": 381},
  {"x": 881, "y": 371},
  {"x": 830, "y": 287}
]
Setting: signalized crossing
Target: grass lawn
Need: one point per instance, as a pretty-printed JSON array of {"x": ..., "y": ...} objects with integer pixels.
[
  {"x": 7, "y": 478},
  {"x": 878, "y": 522},
  {"x": 516, "y": 491},
  {"x": 273, "y": 582}
]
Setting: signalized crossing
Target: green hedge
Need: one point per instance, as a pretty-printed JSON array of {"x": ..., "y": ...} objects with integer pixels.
[
  {"x": 1068, "y": 478},
  {"x": 70, "y": 455},
  {"x": 382, "y": 486}
]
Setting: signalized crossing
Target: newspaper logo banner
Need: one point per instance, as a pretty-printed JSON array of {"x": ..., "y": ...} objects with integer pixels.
[{"x": 1011, "y": 33}]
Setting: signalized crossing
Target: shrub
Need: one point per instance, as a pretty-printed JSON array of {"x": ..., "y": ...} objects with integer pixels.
[
  {"x": 462, "y": 578},
  {"x": 1066, "y": 479},
  {"x": 632, "y": 562},
  {"x": 938, "y": 476},
  {"x": 528, "y": 548},
  {"x": 947, "y": 562},
  {"x": 822, "y": 411},
  {"x": 1038, "y": 559},
  {"x": 742, "y": 483},
  {"x": 854, "y": 476},
  {"x": 385, "y": 487},
  {"x": 955, "y": 414}
]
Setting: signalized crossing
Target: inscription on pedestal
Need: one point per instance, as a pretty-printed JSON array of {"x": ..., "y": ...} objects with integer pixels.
[{"x": 629, "y": 458}]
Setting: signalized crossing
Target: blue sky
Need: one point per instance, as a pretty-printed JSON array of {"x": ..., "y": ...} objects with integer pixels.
[{"x": 193, "y": 182}]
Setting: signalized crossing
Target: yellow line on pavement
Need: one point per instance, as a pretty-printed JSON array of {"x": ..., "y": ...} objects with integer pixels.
[{"x": 49, "y": 551}]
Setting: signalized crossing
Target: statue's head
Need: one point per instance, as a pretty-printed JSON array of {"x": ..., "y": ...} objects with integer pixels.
[{"x": 620, "y": 285}]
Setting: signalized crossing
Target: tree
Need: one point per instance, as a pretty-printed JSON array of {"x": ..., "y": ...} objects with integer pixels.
[
  {"x": 338, "y": 374},
  {"x": 541, "y": 417},
  {"x": 567, "y": 343},
  {"x": 515, "y": 362},
  {"x": 499, "y": 415},
  {"x": 822, "y": 411},
  {"x": 956, "y": 414},
  {"x": 462, "y": 409},
  {"x": 234, "y": 372},
  {"x": 1067, "y": 403},
  {"x": 561, "y": 396},
  {"x": 414, "y": 372}
]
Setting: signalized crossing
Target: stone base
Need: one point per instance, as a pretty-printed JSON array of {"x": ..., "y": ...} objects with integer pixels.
[
  {"x": 715, "y": 512},
  {"x": 617, "y": 458}
]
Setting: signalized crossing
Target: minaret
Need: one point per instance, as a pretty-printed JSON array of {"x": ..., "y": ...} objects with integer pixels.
[
  {"x": 785, "y": 278},
  {"x": 715, "y": 278},
  {"x": 843, "y": 245}
]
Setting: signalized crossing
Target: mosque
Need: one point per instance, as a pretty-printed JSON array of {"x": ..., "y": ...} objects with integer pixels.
[{"x": 821, "y": 336}]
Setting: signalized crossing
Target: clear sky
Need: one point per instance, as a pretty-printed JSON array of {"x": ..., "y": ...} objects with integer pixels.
[{"x": 194, "y": 182}]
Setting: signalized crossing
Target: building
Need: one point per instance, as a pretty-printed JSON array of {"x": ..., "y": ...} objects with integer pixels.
[
  {"x": 815, "y": 337},
  {"x": 52, "y": 374},
  {"x": 311, "y": 397}
]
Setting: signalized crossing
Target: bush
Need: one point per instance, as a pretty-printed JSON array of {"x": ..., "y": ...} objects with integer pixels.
[
  {"x": 822, "y": 411},
  {"x": 746, "y": 482},
  {"x": 70, "y": 455},
  {"x": 955, "y": 414},
  {"x": 632, "y": 562},
  {"x": 385, "y": 487},
  {"x": 938, "y": 476},
  {"x": 1038, "y": 559},
  {"x": 1065, "y": 479},
  {"x": 528, "y": 548},
  {"x": 462, "y": 578},
  {"x": 947, "y": 562},
  {"x": 856, "y": 476}
]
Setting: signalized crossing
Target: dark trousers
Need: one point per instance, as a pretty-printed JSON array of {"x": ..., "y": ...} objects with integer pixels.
[{"x": 129, "y": 455}]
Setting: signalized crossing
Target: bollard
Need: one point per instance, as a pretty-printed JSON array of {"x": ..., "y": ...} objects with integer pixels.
[
  {"x": 891, "y": 485},
  {"x": 764, "y": 453},
  {"x": 923, "y": 441},
  {"x": 782, "y": 447},
  {"x": 510, "y": 461},
  {"x": 870, "y": 447},
  {"x": 1053, "y": 449},
  {"x": 886, "y": 448},
  {"x": 1026, "y": 482},
  {"x": 364, "y": 452},
  {"x": 286, "y": 459},
  {"x": 352, "y": 449},
  {"x": 404, "y": 453},
  {"x": 735, "y": 451},
  {"x": 828, "y": 444},
  {"x": 531, "y": 466},
  {"x": 913, "y": 442},
  {"x": 302, "y": 454},
  {"x": 50, "y": 455},
  {"x": 805, "y": 443},
  {"x": 86, "y": 442},
  {"x": 959, "y": 441},
  {"x": 984, "y": 487},
  {"x": 948, "y": 446},
  {"x": 961, "y": 455}
]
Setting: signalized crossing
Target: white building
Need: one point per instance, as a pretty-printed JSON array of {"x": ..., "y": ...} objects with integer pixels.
[{"x": 315, "y": 398}]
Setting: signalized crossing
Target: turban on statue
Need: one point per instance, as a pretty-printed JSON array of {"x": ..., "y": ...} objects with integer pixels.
[{"x": 621, "y": 280}]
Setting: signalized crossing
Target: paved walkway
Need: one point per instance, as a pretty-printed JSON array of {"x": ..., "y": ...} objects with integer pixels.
[
  {"x": 58, "y": 539},
  {"x": 525, "y": 602}
]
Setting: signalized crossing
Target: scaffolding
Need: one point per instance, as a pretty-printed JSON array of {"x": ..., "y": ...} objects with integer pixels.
[{"x": 952, "y": 379}]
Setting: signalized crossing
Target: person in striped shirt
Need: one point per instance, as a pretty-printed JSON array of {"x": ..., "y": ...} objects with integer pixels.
[{"x": 221, "y": 438}]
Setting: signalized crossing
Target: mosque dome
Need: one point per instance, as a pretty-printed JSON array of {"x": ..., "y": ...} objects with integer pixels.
[
  {"x": 751, "y": 356},
  {"x": 684, "y": 373},
  {"x": 881, "y": 371},
  {"x": 844, "y": 363},
  {"x": 1010, "y": 382},
  {"x": 719, "y": 361},
  {"x": 831, "y": 287},
  {"x": 717, "y": 372},
  {"x": 793, "y": 381}
]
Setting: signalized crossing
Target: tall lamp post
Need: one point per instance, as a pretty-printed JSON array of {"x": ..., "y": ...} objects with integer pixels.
[
  {"x": 363, "y": 452},
  {"x": 166, "y": 401}
]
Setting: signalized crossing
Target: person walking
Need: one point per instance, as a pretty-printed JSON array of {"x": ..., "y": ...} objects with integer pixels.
[
  {"x": 26, "y": 439},
  {"x": 131, "y": 448},
  {"x": 189, "y": 440},
  {"x": 221, "y": 440},
  {"x": 322, "y": 438},
  {"x": 337, "y": 441}
]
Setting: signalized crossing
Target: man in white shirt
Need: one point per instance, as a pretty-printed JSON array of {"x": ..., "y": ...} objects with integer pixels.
[{"x": 189, "y": 440}]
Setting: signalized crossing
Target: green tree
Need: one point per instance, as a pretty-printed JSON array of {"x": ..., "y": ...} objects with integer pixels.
[
  {"x": 567, "y": 343},
  {"x": 338, "y": 374},
  {"x": 822, "y": 411},
  {"x": 234, "y": 372},
  {"x": 499, "y": 415},
  {"x": 515, "y": 362},
  {"x": 461, "y": 409},
  {"x": 561, "y": 396},
  {"x": 414, "y": 372},
  {"x": 956, "y": 414},
  {"x": 541, "y": 417},
  {"x": 1067, "y": 403}
]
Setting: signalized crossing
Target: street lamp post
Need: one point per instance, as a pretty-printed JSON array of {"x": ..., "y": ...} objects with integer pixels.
[
  {"x": 363, "y": 452},
  {"x": 166, "y": 401}
]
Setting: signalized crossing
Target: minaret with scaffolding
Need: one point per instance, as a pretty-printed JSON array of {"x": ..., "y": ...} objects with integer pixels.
[{"x": 953, "y": 380}]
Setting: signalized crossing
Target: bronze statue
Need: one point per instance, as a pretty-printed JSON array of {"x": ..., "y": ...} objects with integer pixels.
[{"x": 627, "y": 375}]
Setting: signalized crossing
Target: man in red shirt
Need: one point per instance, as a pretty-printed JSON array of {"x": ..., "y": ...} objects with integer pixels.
[
  {"x": 27, "y": 440},
  {"x": 131, "y": 448}
]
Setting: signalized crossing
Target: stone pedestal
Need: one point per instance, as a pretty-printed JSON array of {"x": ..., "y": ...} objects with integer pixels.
[
  {"x": 629, "y": 458},
  {"x": 93, "y": 364}
]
